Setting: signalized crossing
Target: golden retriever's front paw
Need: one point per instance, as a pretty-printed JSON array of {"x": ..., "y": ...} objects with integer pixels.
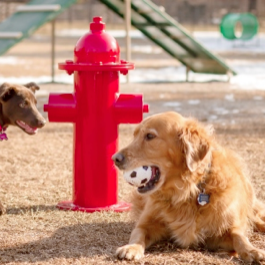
[
  {"x": 253, "y": 255},
  {"x": 130, "y": 252}
]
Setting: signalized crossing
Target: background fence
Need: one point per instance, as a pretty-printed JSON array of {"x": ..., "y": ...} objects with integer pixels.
[{"x": 192, "y": 12}]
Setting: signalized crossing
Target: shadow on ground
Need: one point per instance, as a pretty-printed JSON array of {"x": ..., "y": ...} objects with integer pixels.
[
  {"x": 32, "y": 209},
  {"x": 76, "y": 241},
  {"x": 88, "y": 241}
]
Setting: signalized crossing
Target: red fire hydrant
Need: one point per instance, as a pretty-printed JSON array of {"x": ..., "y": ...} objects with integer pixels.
[{"x": 96, "y": 109}]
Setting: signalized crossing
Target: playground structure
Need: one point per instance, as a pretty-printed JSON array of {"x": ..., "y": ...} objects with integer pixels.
[
  {"x": 27, "y": 19},
  {"x": 247, "y": 21},
  {"x": 146, "y": 16},
  {"x": 96, "y": 108},
  {"x": 171, "y": 36}
]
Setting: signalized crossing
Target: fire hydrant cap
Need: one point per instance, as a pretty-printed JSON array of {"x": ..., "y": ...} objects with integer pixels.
[
  {"x": 97, "y": 24},
  {"x": 97, "y": 46}
]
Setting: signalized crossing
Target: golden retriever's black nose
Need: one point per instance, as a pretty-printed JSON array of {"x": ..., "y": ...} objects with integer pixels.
[{"x": 118, "y": 159}]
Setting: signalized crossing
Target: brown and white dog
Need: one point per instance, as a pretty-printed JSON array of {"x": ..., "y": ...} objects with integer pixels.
[
  {"x": 18, "y": 107},
  {"x": 198, "y": 193}
]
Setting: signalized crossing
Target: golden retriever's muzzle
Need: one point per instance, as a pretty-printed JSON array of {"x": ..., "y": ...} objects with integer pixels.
[{"x": 119, "y": 160}]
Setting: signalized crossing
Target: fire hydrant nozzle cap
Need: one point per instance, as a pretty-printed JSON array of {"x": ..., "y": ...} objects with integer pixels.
[
  {"x": 146, "y": 108},
  {"x": 97, "y": 24},
  {"x": 46, "y": 107}
]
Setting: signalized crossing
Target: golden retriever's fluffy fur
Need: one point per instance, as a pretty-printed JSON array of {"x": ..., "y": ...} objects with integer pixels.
[{"x": 190, "y": 162}]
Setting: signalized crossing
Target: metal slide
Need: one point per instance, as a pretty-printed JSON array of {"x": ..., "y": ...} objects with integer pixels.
[
  {"x": 171, "y": 36},
  {"x": 29, "y": 18}
]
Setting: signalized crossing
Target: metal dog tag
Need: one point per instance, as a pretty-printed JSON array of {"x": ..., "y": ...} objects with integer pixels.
[
  {"x": 3, "y": 136},
  {"x": 203, "y": 199}
]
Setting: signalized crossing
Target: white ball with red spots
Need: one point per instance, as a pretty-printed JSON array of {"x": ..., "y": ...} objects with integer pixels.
[{"x": 139, "y": 176}]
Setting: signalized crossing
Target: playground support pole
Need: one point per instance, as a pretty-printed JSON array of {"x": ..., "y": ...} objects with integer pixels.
[
  {"x": 187, "y": 74},
  {"x": 229, "y": 75},
  {"x": 52, "y": 49},
  {"x": 127, "y": 15}
]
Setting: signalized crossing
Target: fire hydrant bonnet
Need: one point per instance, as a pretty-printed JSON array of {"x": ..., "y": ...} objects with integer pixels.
[{"x": 97, "y": 46}]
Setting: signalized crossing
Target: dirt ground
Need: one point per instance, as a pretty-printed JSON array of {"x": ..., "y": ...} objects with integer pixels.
[{"x": 36, "y": 171}]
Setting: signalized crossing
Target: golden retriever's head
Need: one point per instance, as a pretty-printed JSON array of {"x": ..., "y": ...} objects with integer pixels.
[{"x": 172, "y": 145}]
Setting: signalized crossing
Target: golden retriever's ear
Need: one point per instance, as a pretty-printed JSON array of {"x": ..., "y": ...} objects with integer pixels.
[{"x": 195, "y": 145}]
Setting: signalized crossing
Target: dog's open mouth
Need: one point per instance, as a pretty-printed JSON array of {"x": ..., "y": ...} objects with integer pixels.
[
  {"x": 24, "y": 126},
  {"x": 151, "y": 183}
]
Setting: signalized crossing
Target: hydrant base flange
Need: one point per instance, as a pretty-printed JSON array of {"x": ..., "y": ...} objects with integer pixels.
[{"x": 69, "y": 205}]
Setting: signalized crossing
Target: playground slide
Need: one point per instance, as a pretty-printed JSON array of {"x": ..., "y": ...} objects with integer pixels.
[
  {"x": 171, "y": 36},
  {"x": 29, "y": 18}
]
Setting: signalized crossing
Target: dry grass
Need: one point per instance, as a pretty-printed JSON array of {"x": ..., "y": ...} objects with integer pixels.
[{"x": 36, "y": 173}]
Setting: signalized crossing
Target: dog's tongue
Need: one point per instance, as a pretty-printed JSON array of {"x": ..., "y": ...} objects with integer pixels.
[{"x": 26, "y": 127}]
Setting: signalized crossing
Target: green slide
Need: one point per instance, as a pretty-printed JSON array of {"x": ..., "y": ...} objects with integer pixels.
[
  {"x": 171, "y": 36},
  {"x": 27, "y": 19}
]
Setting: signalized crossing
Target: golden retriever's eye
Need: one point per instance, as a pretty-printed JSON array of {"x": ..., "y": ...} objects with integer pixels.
[{"x": 149, "y": 136}]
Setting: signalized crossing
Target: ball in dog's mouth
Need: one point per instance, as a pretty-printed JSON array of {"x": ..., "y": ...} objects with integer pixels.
[
  {"x": 152, "y": 182},
  {"x": 145, "y": 177},
  {"x": 25, "y": 127}
]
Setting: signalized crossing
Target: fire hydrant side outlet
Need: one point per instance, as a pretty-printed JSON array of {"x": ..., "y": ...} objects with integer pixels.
[{"x": 129, "y": 108}]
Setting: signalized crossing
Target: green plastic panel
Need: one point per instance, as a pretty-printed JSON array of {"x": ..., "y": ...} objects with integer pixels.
[
  {"x": 249, "y": 24},
  {"x": 171, "y": 36},
  {"x": 27, "y": 22}
]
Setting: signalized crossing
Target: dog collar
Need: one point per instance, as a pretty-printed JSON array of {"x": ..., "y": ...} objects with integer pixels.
[
  {"x": 203, "y": 198},
  {"x": 2, "y": 133}
]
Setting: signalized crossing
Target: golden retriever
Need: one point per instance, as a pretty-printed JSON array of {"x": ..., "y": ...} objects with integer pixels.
[{"x": 188, "y": 165}]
